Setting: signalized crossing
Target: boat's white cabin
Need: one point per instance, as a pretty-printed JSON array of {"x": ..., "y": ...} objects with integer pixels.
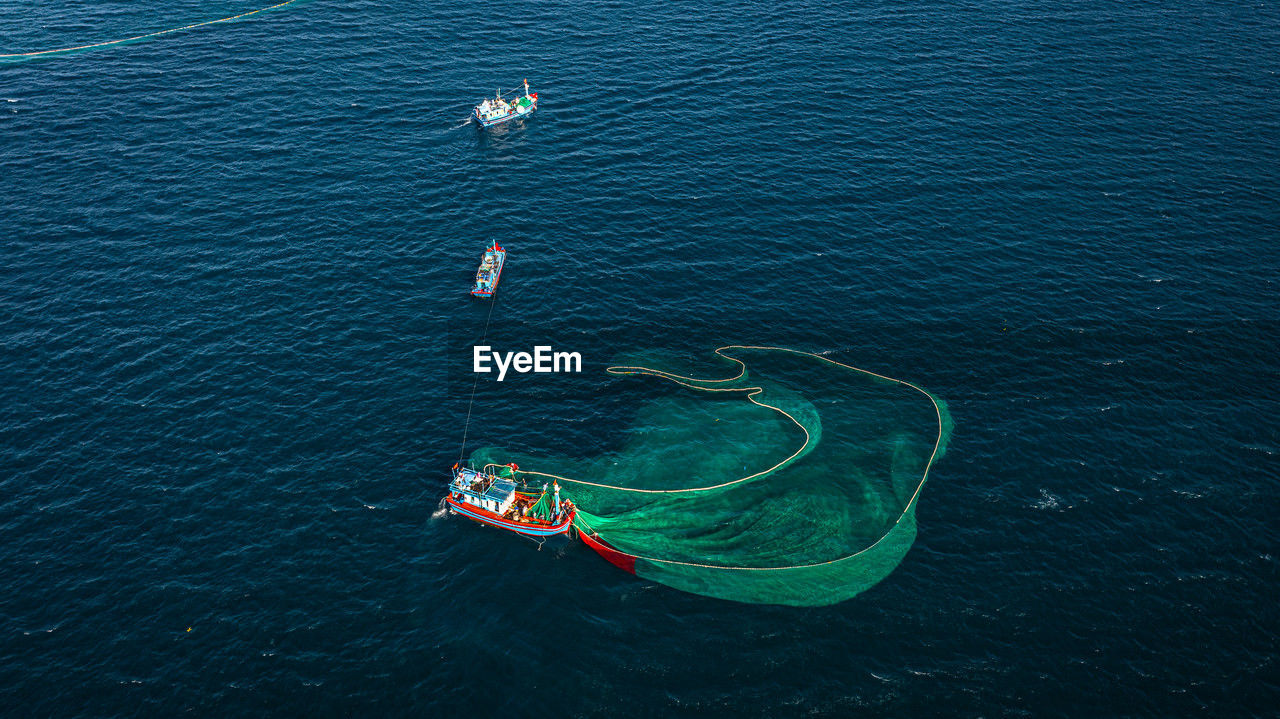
[{"x": 485, "y": 491}]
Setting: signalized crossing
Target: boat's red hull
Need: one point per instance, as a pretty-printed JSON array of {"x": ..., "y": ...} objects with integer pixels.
[
  {"x": 529, "y": 527},
  {"x": 621, "y": 560}
]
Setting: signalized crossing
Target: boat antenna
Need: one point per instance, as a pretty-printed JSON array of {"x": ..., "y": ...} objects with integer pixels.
[{"x": 526, "y": 86}]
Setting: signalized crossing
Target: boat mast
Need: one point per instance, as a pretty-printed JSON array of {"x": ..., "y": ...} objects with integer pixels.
[{"x": 526, "y": 87}]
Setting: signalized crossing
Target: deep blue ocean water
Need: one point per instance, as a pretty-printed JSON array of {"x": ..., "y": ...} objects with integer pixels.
[{"x": 235, "y": 261}]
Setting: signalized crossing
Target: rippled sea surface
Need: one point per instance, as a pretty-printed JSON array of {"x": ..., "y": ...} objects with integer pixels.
[{"x": 235, "y": 260}]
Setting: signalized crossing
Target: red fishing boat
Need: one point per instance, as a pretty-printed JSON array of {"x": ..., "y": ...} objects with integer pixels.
[
  {"x": 619, "y": 559},
  {"x": 491, "y": 264},
  {"x": 490, "y": 496}
]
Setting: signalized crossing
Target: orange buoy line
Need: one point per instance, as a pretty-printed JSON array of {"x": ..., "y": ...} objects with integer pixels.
[{"x": 40, "y": 53}]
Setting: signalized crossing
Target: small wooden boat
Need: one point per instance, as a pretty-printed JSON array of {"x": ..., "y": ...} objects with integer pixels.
[
  {"x": 490, "y": 271},
  {"x": 499, "y": 110},
  {"x": 490, "y": 498},
  {"x": 621, "y": 560}
]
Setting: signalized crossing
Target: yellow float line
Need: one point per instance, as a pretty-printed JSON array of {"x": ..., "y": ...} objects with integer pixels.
[{"x": 150, "y": 34}]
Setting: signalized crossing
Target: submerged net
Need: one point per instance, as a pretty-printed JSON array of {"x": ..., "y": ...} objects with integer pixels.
[{"x": 791, "y": 479}]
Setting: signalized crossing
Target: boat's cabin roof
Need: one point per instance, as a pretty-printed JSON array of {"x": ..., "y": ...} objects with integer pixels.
[
  {"x": 491, "y": 261},
  {"x": 484, "y": 485},
  {"x": 501, "y": 490}
]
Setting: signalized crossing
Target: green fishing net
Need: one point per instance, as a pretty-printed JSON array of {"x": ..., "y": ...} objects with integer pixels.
[
  {"x": 542, "y": 509},
  {"x": 776, "y": 476}
]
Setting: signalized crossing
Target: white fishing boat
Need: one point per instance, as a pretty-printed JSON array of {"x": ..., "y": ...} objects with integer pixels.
[{"x": 500, "y": 108}]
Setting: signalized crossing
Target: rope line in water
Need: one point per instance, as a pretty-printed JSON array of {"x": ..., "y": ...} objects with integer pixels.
[
  {"x": 753, "y": 391},
  {"x": 462, "y": 453},
  {"x": 150, "y": 34}
]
